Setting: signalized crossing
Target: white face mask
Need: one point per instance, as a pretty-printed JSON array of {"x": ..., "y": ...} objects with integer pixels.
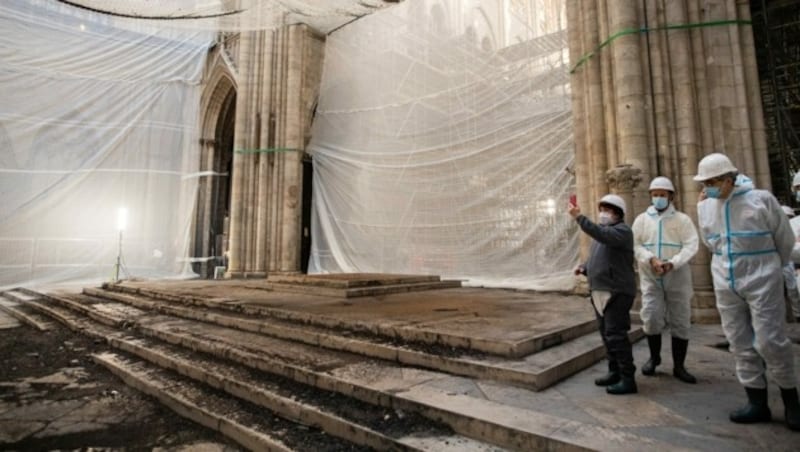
[{"x": 605, "y": 218}]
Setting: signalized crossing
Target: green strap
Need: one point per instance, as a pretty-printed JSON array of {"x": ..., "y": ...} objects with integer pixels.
[
  {"x": 259, "y": 151},
  {"x": 630, "y": 31}
]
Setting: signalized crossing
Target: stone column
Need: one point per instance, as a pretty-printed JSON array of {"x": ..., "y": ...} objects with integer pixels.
[
  {"x": 205, "y": 196},
  {"x": 237, "y": 240},
  {"x": 629, "y": 104},
  {"x": 294, "y": 129},
  {"x": 583, "y": 179},
  {"x": 267, "y": 140}
]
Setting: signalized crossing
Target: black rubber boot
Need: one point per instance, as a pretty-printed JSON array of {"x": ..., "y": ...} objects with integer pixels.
[
  {"x": 654, "y": 342},
  {"x": 756, "y": 409},
  {"x": 679, "y": 347},
  {"x": 626, "y": 385},
  {"x": 611, "y": 377},
  {"x": 791, "y": 408}
]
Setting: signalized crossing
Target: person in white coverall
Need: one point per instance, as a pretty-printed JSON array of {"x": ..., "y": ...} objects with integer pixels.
[
  {"x": 795, "y": 222},
  {"x": 750, "y": 241},
  {"x": 790, "y": 275},
  {"x": 664, "y": 240}
]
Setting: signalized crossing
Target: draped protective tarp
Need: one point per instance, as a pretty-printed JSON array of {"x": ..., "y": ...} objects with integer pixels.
[
  {"x": 95, "y": 117},
  {"x": 235, "y": 15},
  {"x": 442, "y": 144}
]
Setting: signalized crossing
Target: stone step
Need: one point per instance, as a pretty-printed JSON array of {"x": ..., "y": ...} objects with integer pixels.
[
  {"x": 13, "y": 305},
  {"x": 21, "y": 294},
  {"x": 232, "y": 417},
  {"x": 537, "y": 371},
  {"x": 390, "y": 332},
  {"x": 357, "y": 422},
  {"x": 353, "y": 292},
  {"x": 74, "y": 320},
  {"x": 8, "y": 322},
  {"x": 350, "y": 280},
  {"x": 350, "y": 375}
]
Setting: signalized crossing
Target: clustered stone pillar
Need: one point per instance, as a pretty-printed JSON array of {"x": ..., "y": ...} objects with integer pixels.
[
  {"x": 656, "y": 99},
  {"x": 279, "y": 75}
]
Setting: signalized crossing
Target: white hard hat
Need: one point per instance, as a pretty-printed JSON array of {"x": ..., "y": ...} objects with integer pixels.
[
  {"x": 788, "y": 211},
  {"x": 714, "y": 165},
  {"x": 796, "y": 180},
  {"x": 662, "y": 183},
  {"x": 614, "y": 200}
]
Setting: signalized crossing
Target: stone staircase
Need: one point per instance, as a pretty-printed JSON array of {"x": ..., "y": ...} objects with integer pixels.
[{"x": 326, "y": 383}]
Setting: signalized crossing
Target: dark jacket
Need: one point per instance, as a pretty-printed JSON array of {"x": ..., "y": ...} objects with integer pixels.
[{"x": 610, "y": 263}]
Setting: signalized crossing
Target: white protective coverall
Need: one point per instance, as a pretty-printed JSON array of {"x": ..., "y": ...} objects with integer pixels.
[
  {"x": 750, "y": 240},
  {"x": 666, "y": 300},
  {"x": 795, "y": 223}
]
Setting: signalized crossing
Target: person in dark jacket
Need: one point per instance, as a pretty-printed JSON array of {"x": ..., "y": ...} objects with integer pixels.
[{"x": 612, "y": 283}]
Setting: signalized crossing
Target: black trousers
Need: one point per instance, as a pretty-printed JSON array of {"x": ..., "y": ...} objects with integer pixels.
[{"x": 614, "y": 325}]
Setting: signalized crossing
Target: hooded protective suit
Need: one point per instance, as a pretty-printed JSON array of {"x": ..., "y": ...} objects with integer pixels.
[
  {"x": 671, "y": 237},
  {"x": 795, "y": 301},
  {"x": 750, "y": 240}
]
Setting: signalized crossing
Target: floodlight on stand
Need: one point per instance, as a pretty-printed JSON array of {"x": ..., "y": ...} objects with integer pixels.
[
  {"x": 122, "y": 222},
  {"x": 122, "y": 218}
]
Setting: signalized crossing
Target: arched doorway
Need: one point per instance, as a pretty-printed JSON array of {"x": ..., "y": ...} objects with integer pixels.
[
  {"x": 213, "y": 206},
  {"x": 305, "y": 213}
]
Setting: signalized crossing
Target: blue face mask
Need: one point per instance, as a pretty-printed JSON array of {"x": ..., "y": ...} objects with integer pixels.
[
  {"x": 712, "y": 192},
  {"x": 797, "y": 195},
  {"x": 659, "y": 203}
]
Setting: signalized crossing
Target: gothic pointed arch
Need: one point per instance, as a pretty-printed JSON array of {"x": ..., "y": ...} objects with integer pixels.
[{"x": 218, "y": 113}]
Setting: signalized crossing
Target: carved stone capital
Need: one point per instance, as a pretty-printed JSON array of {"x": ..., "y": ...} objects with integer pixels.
[{"x": 623, "y": 178}]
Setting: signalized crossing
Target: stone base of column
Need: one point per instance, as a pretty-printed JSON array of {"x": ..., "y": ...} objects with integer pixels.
[
  {"x": 704, "y": 307},
  {"x": 705, "y": 315},
  {"x": 245, "y": 275},
  {"x": 286, "y": 272}
]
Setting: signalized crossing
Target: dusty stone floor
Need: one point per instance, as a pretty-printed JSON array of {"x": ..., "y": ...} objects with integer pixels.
[{"x": 54, "y": 397}]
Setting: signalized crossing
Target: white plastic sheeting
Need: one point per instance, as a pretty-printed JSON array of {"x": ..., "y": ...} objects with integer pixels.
[
  {"x": 94, "y": 118},
  {"x": 236, "y": 15},
  {"x": 442, "y": 144}
]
